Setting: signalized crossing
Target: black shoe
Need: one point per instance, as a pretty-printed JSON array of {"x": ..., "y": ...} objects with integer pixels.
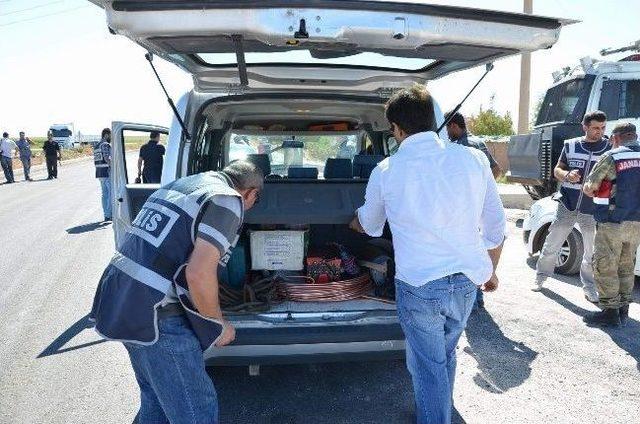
[
  {"x": 606, "y": 318},
  {"x": 623, "y": 311}
]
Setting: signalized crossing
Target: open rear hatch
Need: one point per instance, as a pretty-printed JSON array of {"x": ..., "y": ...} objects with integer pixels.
[{"x": 351, "y": 46}]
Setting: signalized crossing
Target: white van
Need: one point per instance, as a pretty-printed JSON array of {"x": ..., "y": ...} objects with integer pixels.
[{"x": 303, "y": 85}]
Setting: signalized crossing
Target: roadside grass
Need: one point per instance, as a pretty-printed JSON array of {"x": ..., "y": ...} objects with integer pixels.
[{"x": 131, "y": 143}]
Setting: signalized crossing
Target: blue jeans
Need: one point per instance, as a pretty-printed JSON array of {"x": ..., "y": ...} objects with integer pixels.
[
  {"x": 433, "y": 317},
  {"x": 105, "y": 185},
  {"x": 174, "y": 385}
]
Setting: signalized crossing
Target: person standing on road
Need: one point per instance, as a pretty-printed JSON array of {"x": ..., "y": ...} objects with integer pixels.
[
  {"x": 151, "y": 156},
  {"x": 614, "y": 183},
  {"x": 159, "y": 293},
  {"x": 52, "y": 156},
  {"x": 7, "y": 153},
  {"x": 102, "y": 162},
  {"x": 448, "y": 227},
  {"x": 457, "y": 132},
  {"x": 577, "y": 158},
  {"x": 24, "y": 147}
]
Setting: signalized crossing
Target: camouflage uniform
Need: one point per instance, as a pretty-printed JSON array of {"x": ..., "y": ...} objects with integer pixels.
[{"x": 615, "y": 246}]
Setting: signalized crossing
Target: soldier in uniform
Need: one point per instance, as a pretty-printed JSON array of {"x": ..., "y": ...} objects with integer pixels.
[{"x": 614, "y": 184}]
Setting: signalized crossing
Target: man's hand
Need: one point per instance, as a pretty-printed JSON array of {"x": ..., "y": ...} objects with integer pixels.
[
  {"x": 573, "y": 176},
  {"x": 355, "y": 225},
  {"x": 491, "y": 285},
  {"x": 228, "y": 334}
]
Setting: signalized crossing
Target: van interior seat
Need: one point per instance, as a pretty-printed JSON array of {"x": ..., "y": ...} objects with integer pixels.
[
  {"x": 364, "y": 164},
  {"x": 302, "y": 172},
  {"x": 262, "y": 161},
  {"x": 338, "y": 168}
]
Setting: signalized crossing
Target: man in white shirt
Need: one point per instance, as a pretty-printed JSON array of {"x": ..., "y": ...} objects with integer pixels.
[
  {"x": 7, "y": 153},
  {"x": 435, "y": 196}
]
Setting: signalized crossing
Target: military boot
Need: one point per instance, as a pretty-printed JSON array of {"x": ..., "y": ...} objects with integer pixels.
[
  {"x": 624, "y": 314},
  {"x": 606, "y": 318}
]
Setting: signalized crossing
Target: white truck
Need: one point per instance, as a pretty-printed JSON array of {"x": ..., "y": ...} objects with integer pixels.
[
  {"x": 67, "y": 138},
  {"x": 610, "y": 86}
]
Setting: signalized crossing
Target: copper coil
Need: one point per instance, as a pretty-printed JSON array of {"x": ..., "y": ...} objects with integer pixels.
[{"x": 326, "y": 292}]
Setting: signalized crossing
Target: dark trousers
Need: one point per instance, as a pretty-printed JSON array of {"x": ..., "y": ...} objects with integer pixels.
[
  {"x": 52, "y": 166},
  {"x": 7, "y": 167}
]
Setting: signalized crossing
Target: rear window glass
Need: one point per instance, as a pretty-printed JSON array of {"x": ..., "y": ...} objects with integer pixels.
[
  {"x": 286, "y": 151},
  {"x": 295, "y": 57}
]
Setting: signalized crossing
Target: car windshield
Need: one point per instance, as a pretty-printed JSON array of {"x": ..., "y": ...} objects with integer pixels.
[
  {"x": 285, "y": 151},
  {"x": 296, "y": 57},
  {"x": 60, "y": 132},
  {"x": 560, "y": 101}
]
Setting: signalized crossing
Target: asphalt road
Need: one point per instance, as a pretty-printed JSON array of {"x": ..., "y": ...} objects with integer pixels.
[{"x": 526, "y": 359}]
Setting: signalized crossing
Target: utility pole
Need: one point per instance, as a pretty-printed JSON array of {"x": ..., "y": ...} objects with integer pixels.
[{"x": 525, "y": 82}]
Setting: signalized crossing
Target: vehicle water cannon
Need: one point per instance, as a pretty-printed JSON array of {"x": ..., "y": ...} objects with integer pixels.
[{"x": 635, "y": 46}]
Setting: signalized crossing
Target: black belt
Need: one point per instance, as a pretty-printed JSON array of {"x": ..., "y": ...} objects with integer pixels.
[{"x": 170, "y": 310}]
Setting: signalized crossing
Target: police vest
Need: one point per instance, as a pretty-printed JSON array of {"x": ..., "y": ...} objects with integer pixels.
[
  {"x": 102, "y": 166},
  {"x": 625, "y": 204},
  {"x": 148, "y": 270},
  {"x": 581, "y": 159}
]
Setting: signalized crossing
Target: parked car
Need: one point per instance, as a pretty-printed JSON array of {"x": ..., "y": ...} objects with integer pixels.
[
  {"x": 298, "y": 77},
  {"x": 536, "y": 227}
]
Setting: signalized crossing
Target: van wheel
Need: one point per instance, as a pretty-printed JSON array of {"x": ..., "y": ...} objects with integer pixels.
[{"x": 570, "y": 255}]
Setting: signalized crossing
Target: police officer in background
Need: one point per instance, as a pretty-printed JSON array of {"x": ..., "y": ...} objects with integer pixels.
[
  {"x": 457, "y": 132},
  {"x": 614, "y": 183},
  {"x": 51, "y": 156},
  {"x": 102, "y": 161},
  {"x": 159, "y": 293},
  {"x": 578, "y": 157},
  {"x": 151, "y": 156}
]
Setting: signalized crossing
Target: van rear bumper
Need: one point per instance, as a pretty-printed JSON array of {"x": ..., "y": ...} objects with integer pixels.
[
  {"x": 305, "y": 353},
  {"x": 260, "y": 342}
]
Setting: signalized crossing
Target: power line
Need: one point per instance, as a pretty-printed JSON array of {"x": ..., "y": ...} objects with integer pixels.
[
  {"x": 43, "y": 16},
  {"x": 13, "y": 12}
]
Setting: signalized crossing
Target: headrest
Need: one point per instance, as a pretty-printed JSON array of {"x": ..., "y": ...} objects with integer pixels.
[
  {"x": 262, "y": 161},
  {"x": 301, "y": 172},
  {"x": 364, "y": 164},
  {"x": 338, "y": 168}
]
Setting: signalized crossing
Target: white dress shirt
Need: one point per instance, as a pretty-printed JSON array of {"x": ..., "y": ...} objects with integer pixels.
[{"x": 443, "y": 209}]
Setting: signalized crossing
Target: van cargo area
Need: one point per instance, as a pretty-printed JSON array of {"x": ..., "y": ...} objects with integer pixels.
[{"x": 307, "y": 269}]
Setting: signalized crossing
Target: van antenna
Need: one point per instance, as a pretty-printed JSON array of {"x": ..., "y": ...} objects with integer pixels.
[
  {"x": 488, "y": 68},
  {"x": 149, "y": 57}
]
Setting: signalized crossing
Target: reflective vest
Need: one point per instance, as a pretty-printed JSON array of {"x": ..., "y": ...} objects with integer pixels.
[
  {"x": 581, "y": 159},
  {"x": 625, "y": 204},
  {"x": 99, "y": 160},
  {"x": 148, "y": 270}
]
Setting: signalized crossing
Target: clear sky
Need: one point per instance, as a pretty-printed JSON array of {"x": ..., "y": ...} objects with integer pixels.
[{"x": 58, "y": 63}]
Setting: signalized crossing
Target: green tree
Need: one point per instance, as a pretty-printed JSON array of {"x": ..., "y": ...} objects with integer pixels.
[{"x": 490, "y": 122}]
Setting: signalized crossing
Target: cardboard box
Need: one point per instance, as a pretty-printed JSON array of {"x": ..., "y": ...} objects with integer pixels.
[{"x": 277, "y": 250}]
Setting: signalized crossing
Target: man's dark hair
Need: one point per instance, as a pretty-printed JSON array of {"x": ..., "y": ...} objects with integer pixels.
[
  {"x": 244, "y": 175},
  {"x": 154, "y": 134},
  {"x": 5, "y": 134},
  {"x": 411, "y": 109},
  {"x": 21, "y": 133},
  {"x": 105, "y": 132},
  {"x": 596, "y": 115},
  {"x": 626, "y": 131},
  {"x": 457, "y": 119}
]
